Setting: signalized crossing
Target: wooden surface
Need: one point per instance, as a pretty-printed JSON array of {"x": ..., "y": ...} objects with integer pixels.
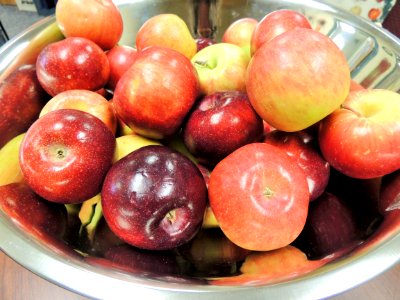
[{"x": 17, "y": 283}]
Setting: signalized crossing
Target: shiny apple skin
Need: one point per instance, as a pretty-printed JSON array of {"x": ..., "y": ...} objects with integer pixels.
[
  {"x": 276, "y": 23},
  {"x": 331, "y": 226},
  {"x": 219, "y": 124},
  {"x": 297, "y": 145},
  {"x": 202, "y": 42},
  {"x": 72, "y": 63},
  {"x": 65, "y": 155},
  {"x": 21, "y": 99},
  {"x": 120, "y": 58},
  {"x": 157, "y": 92},
  {"x": 30, "y": 211},
  {"x": 154, "y": 198},
  {"x": 389, "y": 199},
  {"x": 259, "y": 196}
]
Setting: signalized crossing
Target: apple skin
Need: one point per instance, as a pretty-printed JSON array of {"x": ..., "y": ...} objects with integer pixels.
[
  {"x": 298, "y": 146},
  {"x": 274, "y": 24},
  {"x": 31, "y": 212},
  {"x": 221, "y": 67},
  {"x": 65, "y": 155},
  {"x": 331, "y": 225},
  {"x": 128, "y": 143},
  {"x": 21, "y": 99},
  {"x": 9, "y": 161},
  {"x": 259, "y": 189},
  {"x": 203, "y": 42},
  {"x": 389, "y": 199},
  {"x": 98, "y": 21},
  {"x": 154, "y": 198},
  {"x": 297, "y": 79},
  {"x": 120, "y": 58},
  {"x": 240, "y": 33},
  {"x": 219, "y": 124},
  {"x": 156, "y": 112},
  {"x": 362, "y": 138},
  {"x": 166, "y": 30},
  {"x": 84, "y": 100},
  {"x": 71, "y": 64}
]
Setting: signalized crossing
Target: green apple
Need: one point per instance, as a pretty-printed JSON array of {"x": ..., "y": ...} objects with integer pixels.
[{"x": 221, "y": 67}]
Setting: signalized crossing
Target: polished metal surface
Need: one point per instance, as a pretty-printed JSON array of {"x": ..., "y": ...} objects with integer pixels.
[{"x": 373, "y": 55}]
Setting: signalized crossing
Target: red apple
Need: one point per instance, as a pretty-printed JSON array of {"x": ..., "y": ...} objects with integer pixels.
[
  {"x": 156, "y": 93},
  {"x": 240, "y": 33},
  {"x": 330, "y": 226},
  {"x": 21, "y": 99},
  {"x": 355, "y": 86},
  {"x": 65, "y": 155},
  {"x": 221, "y": 67},
  {"x": 166, "y": 30},
  {"x": 31, "y": 212},
  {"x": 297, "y": 79},
  {"x": 120, "y": 59},
  {"x": 297, "y": 145},
  {"x": 84, "y": 100},
  {"x": 276, "y": 23},
  {"x": 98, "y": 21},
  {"x": 219, "y": 124},
  {"x": 70, "y": 64},
  {"x": 362, "y": 138},
  {"x": 202, "y": 42},
  {"x": 259, "y": 196},
  {"x": 154, "y": 198}
]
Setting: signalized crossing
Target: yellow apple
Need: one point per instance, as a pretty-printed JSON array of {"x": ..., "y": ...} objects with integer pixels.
[
  {"x": 9, "y": 161},
  {"x": 129, "y": 143}
]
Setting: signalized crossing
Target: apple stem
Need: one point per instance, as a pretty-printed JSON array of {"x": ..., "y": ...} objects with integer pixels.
[
  {"x": 268, "y": 192},
  {"x": 205, "y": 63},
  {"x": 344, "y": 106},
  {"x": 171, "y": 216},
  {"x": 60, "y": 154}
]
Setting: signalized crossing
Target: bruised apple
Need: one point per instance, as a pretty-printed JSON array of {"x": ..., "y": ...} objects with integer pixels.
[
  {"x": 65, "y": 155},
  {"x": 155, "y": 94},
  {"x": 154, "y": 198},
  {"x": 297, "y": 79},
  {"x": 259, "y": 196}
]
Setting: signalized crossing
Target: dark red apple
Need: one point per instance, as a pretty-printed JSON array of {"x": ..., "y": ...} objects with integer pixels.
[
  {"x": 156, "y": 93},
  {"x": 21, "y": 99},
  {"x": 72, "y": 63},
  {"x": 120, "y": 58},
  {"x": 330, "y": 227},
  {"x": 219, "y": 124},
  {"x": 154, "y": 198},
  {"x": 30, "y": 211},
  {"x": 390, "y": 193},
  {"x": 297, "y": 145},
  {"x": 65, "y": 155},
  {"x": 203, "y": 42}
]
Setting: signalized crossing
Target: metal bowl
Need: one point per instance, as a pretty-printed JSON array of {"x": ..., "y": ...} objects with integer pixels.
[{"x": 373, "y": 55}]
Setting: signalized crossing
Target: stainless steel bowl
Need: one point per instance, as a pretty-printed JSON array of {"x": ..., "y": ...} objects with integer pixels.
[{"x": 373, "y": 55}]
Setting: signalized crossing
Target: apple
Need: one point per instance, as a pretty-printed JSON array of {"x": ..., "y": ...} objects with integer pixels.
[
  {"x": 362, "y": 138},
  {"x": 128, "y": 143},
  {"x": 98, "y": 21},
  {"x": 84, "y": 100},
  {"x": 202, "y": 42},
  {"x": 9, "y": 161},
  {"x": 65, "y": 155},
  {"x": 166, "y": 30},
  {"x": 240, "y": 33},
  {"x": 219, "y": 124},
  {"x": 21, "y": 99},
  {"x": 330, "y": 226},
  {"x": 221, "y": 67},
  {"x": 70, "y": 64},
  {"x": 154, "y": 198},
  {"x": 297, "y": 79},
  {"x": 120, "y": 58},
  {"x": 259, "y": 196},
  {"x": 298, "y": 146},
  {"x": 156, "y": 112},
  {"x": 274, "y": 24},
  {"x": 32, "y": 213},
  {"x": 390, "y": 193},
  {"x": 355, "y": 86}
]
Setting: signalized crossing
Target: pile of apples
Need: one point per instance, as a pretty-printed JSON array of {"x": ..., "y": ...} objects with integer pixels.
[{"x": 258, "y": 145}]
